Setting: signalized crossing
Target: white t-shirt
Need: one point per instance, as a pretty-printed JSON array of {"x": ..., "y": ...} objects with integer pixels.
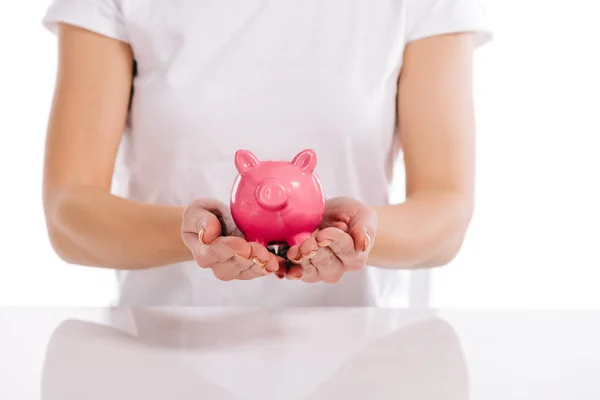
[{"x": 273, "y": 77}]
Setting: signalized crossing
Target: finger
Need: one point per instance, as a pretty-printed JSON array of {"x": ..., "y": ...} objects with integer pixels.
[
  {"x": 262, "y": 263},
  {"x": 307, "y": 250},
  {"x": 343, "y": 246},
  {"x": 202, "y": 229},
  {"x": 361, "y": 238},
  {"x": 295, "y": 271},
  {"x": 310, "y": 273},
  {"x": 229, "y": 270},
  {"x": 239, "y": 266},
  {"x": 309, "y": 247},
  {"x": 253, "y": 272},
  {"x": 263, "y": 258},
  {"x": 335, "y": 237},
  {"x": 295, "y": 256},
  {"x": 198, "y": 220},
  {"x": 283, "y": 267},
  {"x": 225, "y": 247},
  {"x": 272, "y": 265},
  {"x": 362, "y": 228},
  {"x": 341, "y": 225},
  {"x": 221, "y": 250},
  {"x": 329, "y": 265}
]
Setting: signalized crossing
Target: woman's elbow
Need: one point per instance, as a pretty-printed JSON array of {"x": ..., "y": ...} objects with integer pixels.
[
  {"x": 451, "y": 249},
  {"x": 58, "y": 212},
  {"x": 63, "y": 247},
  {"x": 448, "y": 254}
]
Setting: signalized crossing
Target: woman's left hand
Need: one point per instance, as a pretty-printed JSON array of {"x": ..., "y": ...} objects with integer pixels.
[{"x": 340, "y": 244}]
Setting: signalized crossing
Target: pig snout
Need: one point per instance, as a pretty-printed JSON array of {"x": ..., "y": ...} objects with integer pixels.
[{"x": 271, "y": 194}]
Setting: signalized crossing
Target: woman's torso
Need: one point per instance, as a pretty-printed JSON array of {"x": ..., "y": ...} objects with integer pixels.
[{"x": 273, "y": 77}]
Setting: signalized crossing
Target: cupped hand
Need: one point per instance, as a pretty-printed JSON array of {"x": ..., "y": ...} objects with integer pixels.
[
  {"x": 340, "y": 244},
  {"x": 210, "y": 234}
]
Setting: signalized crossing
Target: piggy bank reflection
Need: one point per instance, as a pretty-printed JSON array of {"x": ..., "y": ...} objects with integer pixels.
[{"x": 277, "y": 202}]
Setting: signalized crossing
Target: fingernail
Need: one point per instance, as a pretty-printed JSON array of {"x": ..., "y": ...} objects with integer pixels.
[
  {"x": 290, "y": 277},
  {"x": 200, "y": 236},
  {"x": 294, "y": 260},
  {"x": 255, "y": 260},
  {"x": 325, "y": 243},
  {"x": 272, "y": 271},
  {"x": 279, "y": 276},
  {"x": 366, "y": 242},
  {"x": 241, "y": 257},
  {"x": 310, "y": 255},
  {"x": 266, "y": 271},
  {"x": 298, "y": 276}
]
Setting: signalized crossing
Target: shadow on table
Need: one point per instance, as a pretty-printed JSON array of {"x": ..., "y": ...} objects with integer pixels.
[
  {"x": 90, "y": 361},
  {"x": 194, "y": 328},
  {"x": 423, "y": 361}
]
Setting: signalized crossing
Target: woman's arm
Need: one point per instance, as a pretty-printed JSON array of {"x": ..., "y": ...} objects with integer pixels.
[
  {"x": 436, "y": 127},
  {"x": 86, "y": 224}
]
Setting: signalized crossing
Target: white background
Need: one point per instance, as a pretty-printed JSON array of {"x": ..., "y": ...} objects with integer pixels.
[{"x": 534, "y": 239}]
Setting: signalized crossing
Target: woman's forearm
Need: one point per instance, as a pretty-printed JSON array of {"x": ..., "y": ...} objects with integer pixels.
[
  {"x": 425, "y": 231},
  {"x": 89, "y": 226}
]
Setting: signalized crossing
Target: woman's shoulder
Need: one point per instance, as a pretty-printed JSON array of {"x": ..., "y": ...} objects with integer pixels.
[{"x": 104, "y": 17}]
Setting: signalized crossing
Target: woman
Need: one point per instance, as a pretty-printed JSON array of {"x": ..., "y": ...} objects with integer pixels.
[{"x": 170, "y": 90}]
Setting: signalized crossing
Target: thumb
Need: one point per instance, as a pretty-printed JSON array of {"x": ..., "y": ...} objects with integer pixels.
[
  {"x": 209, "y": 227},
  {"x": 360, "y": 236},
  {"x": 362, "y": 229},
  {"x": 200, "y": 223}
]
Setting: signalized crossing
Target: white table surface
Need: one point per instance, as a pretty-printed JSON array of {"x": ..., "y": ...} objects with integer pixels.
[{"x": 300, "y": 353}]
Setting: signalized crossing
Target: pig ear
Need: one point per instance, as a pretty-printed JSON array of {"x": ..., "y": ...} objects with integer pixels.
[
  {"x": 244, "y": 161},
  {"x": 306, "y": 160}
]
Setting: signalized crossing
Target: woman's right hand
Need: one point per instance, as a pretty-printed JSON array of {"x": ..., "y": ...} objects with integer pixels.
[{"x": 209, "y": 232}]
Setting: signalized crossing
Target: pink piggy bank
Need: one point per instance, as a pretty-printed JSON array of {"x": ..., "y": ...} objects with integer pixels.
[{"x": 276, "y": 202}]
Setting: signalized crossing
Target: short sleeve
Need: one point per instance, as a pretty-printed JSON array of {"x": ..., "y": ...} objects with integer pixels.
[
  {"x": 100, "y": 16},
  {"x": 438, "y": 17}
]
